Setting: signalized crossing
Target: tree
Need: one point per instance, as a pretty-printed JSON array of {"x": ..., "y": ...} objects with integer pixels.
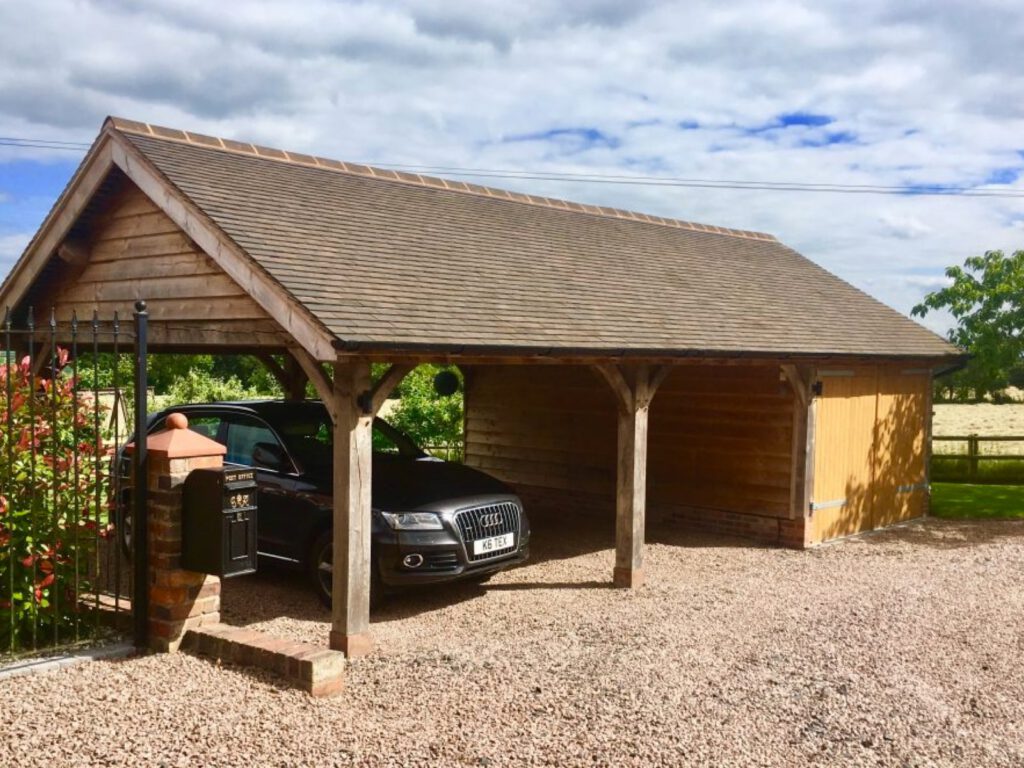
[
  {"x": 429, "y": 418},
  {"x": 986, "y": 298}
]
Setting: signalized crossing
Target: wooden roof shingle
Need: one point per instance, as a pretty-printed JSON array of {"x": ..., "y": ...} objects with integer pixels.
[{"x": 388, "y": 260}]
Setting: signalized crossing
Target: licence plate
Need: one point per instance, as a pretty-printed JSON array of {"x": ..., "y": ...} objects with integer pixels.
[{"x": 493, "y": 543}]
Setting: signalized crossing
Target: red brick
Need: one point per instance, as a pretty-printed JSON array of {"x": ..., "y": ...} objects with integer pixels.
[
  {"x": 170, "y": 595},
  {"x": 211, "y": 586},
  {"x": 178, "y": 578},
  {"x": 327, "y": 688}
]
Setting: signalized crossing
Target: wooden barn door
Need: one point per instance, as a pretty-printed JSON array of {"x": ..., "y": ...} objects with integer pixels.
[
  {"x": 844, "y": 453},
  {"x": 900, "y": 456}
]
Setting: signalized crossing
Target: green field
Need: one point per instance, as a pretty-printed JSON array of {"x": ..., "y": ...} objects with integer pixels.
[{"x": 962, "y": 501}]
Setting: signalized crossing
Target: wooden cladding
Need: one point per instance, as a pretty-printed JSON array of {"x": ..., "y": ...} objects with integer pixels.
[
  {"x": 549, "y": 427},
  {"x": 136, "y": 252},
  {"x": 870, "y": 453},
  {"x": 720, "y": 437},
  {"x": 721, "y": 442}
]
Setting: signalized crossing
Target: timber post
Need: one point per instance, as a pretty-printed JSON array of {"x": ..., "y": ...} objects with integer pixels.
[
  {"x": 797, "y": 532},
  {"x": 353, "y": 404},
  {"x": 634, "y": 395},
  {"x": 353, "y": 456}
]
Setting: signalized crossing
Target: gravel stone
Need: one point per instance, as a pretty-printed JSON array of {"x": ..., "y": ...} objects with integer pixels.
[{"x": 900, "y": 648}]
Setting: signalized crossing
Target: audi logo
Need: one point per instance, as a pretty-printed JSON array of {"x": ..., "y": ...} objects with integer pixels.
[{"x": 491, "y": 520}]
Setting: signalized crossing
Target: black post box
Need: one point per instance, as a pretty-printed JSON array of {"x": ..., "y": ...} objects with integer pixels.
[{"x": 218, "y": 522}]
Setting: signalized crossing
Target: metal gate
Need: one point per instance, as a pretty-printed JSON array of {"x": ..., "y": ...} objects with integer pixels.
[{"x": 72, "y": 393}]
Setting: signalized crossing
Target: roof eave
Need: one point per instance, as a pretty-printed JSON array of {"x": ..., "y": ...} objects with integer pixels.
[{"x": 617, "y": 353}]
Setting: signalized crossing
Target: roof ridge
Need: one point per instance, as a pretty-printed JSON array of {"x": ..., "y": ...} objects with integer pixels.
[{"x": 433, "y": 182}]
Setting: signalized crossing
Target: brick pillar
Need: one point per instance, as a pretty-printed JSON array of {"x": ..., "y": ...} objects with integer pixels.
[{"x": 179, "y": 600}]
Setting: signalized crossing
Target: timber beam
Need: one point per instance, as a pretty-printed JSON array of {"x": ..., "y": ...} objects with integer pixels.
[
  {"x": 289, "y": 375},
  {"x": 385, "y": 386},
  {"x": 320, "y": 380}
]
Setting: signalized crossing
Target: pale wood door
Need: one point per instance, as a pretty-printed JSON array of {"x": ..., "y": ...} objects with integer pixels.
[
  {"x": 900, "y": 455},
  {"x": 844, "y": 453}
]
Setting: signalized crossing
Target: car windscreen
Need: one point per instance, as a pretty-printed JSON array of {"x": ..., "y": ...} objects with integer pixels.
[{"x": 309, "y": 437}]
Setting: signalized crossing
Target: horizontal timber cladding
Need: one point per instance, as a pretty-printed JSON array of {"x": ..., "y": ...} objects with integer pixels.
[
  {"x": 134, "y": 251},
  {"x": 870, "y": 454},
  {"x": 720, "y": 444}
]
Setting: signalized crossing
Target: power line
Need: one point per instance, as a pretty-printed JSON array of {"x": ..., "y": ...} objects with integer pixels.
[
  {"x": 655, "y": 181},
  {"x": 917, "y": 190},
  {"x": 10, "y": 141}
]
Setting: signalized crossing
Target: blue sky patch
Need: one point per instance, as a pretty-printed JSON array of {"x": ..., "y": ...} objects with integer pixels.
[
  {"x": 806, "y": 119},
  {"x": 643, "y": 123},
  {"x": 574, "y": 139},
  {"x": 928, "y": 189},
  {"x": 26, "y": 178},
  {"x": 688, "y": 125},
  {"x": 28, "y": 189},
  {"x": 1003, "y": 176},
  {"x": 788, "y": 120},
  {"x": 830, "y": 138}
]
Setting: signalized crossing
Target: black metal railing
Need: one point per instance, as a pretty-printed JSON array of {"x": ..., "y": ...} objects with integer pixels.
[{"x": 64, "y": 578}]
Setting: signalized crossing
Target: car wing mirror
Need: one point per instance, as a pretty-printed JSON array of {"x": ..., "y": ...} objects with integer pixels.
[{"x": 269, "y": 456}]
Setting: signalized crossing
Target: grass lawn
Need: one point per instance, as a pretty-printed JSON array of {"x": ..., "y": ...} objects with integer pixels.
[{"x": 960, "y": 500}]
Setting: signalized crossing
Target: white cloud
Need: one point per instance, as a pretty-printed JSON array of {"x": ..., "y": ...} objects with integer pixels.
[
  {"x": 915, "y": 94},
  {"x": 905, "y": 227}
]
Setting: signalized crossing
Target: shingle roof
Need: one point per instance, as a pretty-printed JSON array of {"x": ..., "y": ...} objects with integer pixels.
[{"x": 386, "y": 259}]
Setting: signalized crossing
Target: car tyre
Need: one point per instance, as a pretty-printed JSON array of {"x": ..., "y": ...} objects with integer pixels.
[{"x": 321, "y": 560}]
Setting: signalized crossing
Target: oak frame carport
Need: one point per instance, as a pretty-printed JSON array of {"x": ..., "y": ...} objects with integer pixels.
[{"x": 215, "y": 280}]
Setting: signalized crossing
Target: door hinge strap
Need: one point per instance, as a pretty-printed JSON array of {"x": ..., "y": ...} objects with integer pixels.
[{"x": 833, "y": 504}]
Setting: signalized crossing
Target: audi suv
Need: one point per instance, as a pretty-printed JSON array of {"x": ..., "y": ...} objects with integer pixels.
[{"x": 433, "y": 521}]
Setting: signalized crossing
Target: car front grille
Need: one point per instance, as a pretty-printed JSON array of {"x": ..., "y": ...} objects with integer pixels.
[{"x": 484, "y": 522}]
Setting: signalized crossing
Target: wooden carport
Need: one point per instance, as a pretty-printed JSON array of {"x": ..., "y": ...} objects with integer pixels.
[{"x": 241, "y": 248}]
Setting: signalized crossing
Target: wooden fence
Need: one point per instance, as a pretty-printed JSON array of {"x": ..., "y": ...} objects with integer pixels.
[{"x": 981, "y": 459}]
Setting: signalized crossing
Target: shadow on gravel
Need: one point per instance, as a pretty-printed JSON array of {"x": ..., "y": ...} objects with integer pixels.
[
  {"x": 271, "y": 592},
  {"x": 550, "y": 585},
  {"x": 945, "y": 534},
  {"x": 279, "y": 591},
  {"x": 560, "y": 538}
]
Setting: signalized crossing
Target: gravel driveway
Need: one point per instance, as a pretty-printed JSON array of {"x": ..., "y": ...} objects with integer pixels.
[{"x": 899, "y": 648}]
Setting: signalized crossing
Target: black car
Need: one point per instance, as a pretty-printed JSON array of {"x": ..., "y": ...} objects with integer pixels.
[{"x": 433, "y": 521}]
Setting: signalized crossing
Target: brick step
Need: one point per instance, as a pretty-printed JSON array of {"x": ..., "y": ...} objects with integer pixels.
[{"x": 314, "y": 669}]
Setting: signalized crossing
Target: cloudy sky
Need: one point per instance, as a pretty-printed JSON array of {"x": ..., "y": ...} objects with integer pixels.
[{"x": 920, "y": 95}]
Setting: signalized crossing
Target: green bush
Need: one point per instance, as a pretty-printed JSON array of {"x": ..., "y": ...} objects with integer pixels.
[
  {"x": 434, "y": 421},
  {"x": 198, "y": 386},
  {"x": 951, "y": 468},
  {"x": 50, "y": 517}
]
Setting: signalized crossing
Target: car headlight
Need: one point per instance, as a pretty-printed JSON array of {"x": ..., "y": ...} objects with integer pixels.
[{"x": 413, "y": 521}]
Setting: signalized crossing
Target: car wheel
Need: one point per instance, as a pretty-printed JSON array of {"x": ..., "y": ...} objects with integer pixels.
[{"x": 321, "y": 571}]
